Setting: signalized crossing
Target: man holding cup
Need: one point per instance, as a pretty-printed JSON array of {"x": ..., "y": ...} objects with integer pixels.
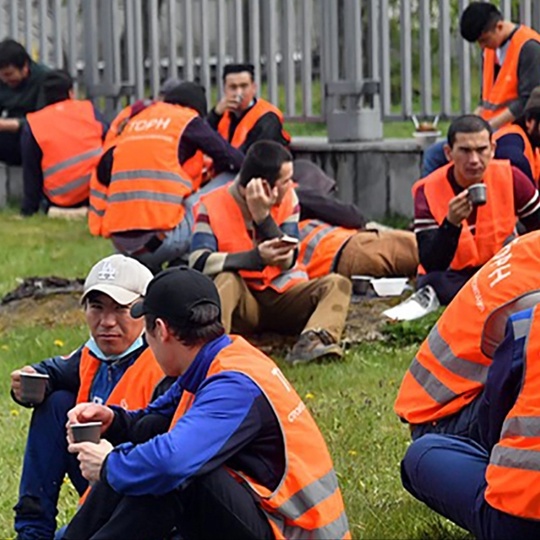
[
  {"x": 114, "y": 366},
  {"x": 467, "y": 210}
]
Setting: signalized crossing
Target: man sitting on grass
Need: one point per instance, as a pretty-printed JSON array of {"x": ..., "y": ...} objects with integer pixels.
[
  {"x": 114, "y": 366},
  {"x": 242, "y": 457}
]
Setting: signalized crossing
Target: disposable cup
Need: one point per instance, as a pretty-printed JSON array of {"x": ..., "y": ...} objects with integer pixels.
[
  {"x": 87, "y": 432},
  {"x": 33, "y": 386}
]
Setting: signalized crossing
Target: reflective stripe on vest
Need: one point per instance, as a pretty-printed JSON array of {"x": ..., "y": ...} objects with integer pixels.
[
  {"x": 339, "y": 528},
  {"x": 435, "y": 388},
  {"x": 313, "y": 241},
  {"x": 69, "y": 186},
  {"x": 149, "y": 173},
  {"x": 71, "y": 161}
]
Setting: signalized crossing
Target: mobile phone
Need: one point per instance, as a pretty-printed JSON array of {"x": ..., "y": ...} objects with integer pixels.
[{"x": 288, "y": 240}]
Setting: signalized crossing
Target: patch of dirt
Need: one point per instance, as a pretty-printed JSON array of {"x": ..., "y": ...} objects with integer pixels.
[{"x": 38, "y": 303}]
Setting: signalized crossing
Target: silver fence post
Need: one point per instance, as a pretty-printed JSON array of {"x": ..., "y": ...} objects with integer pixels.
[{"x": 352, "y": 105}]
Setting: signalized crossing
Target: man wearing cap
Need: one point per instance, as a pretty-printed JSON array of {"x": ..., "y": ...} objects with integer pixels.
[
  {"x": 114, "y": 366},
  {"x": 60, "y": 146},
  {"x": 238, "y": 239},
  {"x": 519, "y": 142},
  {"x": 243, "y": 457},
  {"x": 146, "y": 177}
]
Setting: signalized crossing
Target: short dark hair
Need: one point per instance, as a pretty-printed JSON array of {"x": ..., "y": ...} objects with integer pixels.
[
  {"x": 188, "y": 94},
  {"x": 57, "y": 85},
  {"x": 467, "y": 123},
  {"x": 239, "y": 68},
  {"x": 12, "y": 53},
  {"x": 477, "y": 18},
  {"x": 264, "y": 160},
  {"x": 204, "y": 325}
]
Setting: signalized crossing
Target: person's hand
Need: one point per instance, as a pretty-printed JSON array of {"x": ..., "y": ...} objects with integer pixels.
[
  {"x": 228, "y": 103},
  {"x": 459, "y": 208},
  {"x": 16, "y": 380},
  {"x": 260, "y": 198},
  {"x": 91, "y": 457},
  {"x": 274, "y": 253},
  {"x": 9, "y": 124},
  {"x": 89, "y": 412}
]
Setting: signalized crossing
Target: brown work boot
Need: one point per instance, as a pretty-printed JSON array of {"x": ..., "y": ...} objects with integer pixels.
[{"x": 314, "y": 345}]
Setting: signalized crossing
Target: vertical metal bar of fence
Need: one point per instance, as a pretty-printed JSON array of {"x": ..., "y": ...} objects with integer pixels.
[
  {"x": 89, "y": 23},
  {"x": 288, "y": 47},
  {"x": 506, "y": 8},
  {"x": 306, "y": 64},
  {"x": 109, "y": 84},
  {"x": 536, "y": 16},
  {"x": 138, "y": 48},
  {"x": 352, "y": 45},
  {"x": 525, "y": 12},
  {"x": 374, "y": 63},
  {"x": 28, "y": 42},
  {"x": 384, "y": 70},
  {"x": 43, "y": 33},
  {"x": 205, "y": 45},
  {"x": 57, "y": 34},
  {"x": 238, "y": 51},
  {"x": 129, "y": 44},
  {"x": 464, "y": 57},
  {"x": 72, "y": 40},
  {"x": 426, "y": 92},
  {"x": 221, "y": 38},
  {"x": 445, "y": 58},
  {"x": 406, "y": 58},
  {"x": 271, "y": 40},
  {"x": 254, "y": 39},
  {"x": 13, "y": 19},
  {"x": 171, "y": 39},
  {"x": 188, "y": 50},
  {"x": 153, "y": 45}
]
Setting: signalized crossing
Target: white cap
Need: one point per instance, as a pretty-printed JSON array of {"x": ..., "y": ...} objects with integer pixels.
[{"x": 122, "y": 278}]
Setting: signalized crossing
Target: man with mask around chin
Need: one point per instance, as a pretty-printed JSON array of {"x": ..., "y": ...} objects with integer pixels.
[
  {"x": 519, "y": 142},
  {"x": 115, "y": 366}
]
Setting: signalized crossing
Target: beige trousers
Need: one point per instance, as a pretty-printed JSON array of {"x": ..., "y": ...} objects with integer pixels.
[
  {"x": 319, "y": 304},
  {"x": 379, "y": 254}
]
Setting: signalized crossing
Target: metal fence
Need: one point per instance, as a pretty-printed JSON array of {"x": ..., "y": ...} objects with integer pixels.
[{"x": 408, "y": 50}]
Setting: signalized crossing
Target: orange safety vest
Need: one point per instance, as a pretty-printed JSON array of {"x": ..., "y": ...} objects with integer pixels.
[
  {"x": 194, "y": 167},
  {"x": 500, "y": 92},
  {"x": 245, "y": 125},
  {"x": 70, "y": 138},
  {"x": 319, "y": 245},
  {"x": 307, "y": 502},
  {"x": 229, "y": 228},
  {"x": 514, "y": 464},
  {"x": 530, "y": 153},
  {"x": 148, "y": 185},
  {"x": 495, "y": 221},
  {"x": 135, "y": 388},
  {"x": 449, "y": 370}
]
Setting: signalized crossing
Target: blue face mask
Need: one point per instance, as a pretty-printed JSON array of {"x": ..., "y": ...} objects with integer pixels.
[{"x": 96, "y": 351}]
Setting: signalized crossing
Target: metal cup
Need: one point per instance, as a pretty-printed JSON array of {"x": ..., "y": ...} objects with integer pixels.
[
  {"x": 477, "y": 194},
  {"x": 88, "y": 432},
  {"x": 33, "y": 386}
]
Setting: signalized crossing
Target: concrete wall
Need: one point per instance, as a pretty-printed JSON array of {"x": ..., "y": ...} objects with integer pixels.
[{"x": 377, "y": 176}]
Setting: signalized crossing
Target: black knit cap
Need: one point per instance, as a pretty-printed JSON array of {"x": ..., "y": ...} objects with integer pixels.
[
  {"x": 238, "y": 68},
  {"x": 174, "y": 293},
  {"x": 475, "y": 18},
  {"x": 188, "y": 94}
]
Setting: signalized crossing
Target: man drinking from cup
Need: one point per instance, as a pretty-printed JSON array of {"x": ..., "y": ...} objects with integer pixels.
[
  {"x": 115, "y": 366},
  {"x": 467, "y": 210}
]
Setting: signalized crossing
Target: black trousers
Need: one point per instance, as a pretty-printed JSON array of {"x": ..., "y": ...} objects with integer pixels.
[
  {"x": 212, "y": 506},
  {"x": 10, "y": 147}
]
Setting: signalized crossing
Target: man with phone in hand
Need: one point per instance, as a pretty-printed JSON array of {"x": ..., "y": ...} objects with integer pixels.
[{"x": 240, "y": 238}]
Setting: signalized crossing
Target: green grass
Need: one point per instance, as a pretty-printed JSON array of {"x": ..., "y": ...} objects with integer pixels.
[{"x": 351, "y": 400}]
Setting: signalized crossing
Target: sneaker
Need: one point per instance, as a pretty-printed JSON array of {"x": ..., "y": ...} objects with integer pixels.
[
  {"x": 312, "y": 345},
  {"x": 422, "y": 302}
]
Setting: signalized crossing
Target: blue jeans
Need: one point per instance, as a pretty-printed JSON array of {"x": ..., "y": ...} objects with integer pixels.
[
  {"x": 448, "y": 475},
  {"x": 46, "y": 462},
  {"x": 220, "y": 180},
  {"x": 433, "y": 158}
]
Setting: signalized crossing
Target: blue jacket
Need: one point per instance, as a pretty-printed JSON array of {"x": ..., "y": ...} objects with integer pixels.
[{"x": 229, "y": 422}]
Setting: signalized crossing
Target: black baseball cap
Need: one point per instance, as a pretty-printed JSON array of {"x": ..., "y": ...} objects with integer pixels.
[{"x": 173, "y": 294}]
